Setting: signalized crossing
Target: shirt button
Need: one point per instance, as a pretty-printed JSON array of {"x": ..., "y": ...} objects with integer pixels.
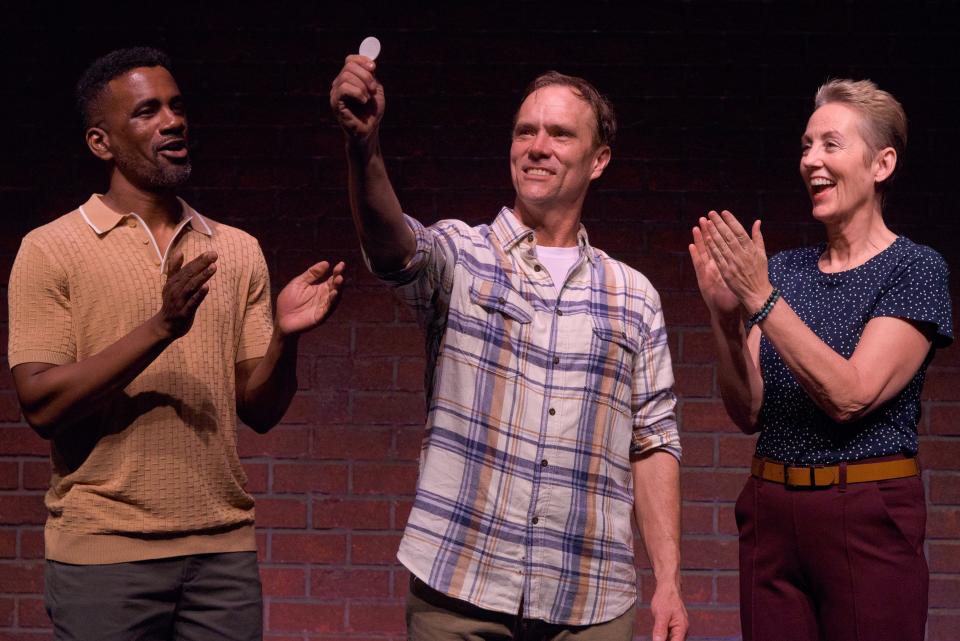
[
  {"x": 156, "y": 263},
  {"x": 501, "y": 300},
  {"x": 559, "y": 312},
  {"x": 556, "y": 360},
  {"x": 553, "y": 411},
  {"x": 146, "y": 242},
  {"x": 537, "y": 268},
  {"x": 535, "y": 520},
  {"x": 529, "y": 238},
  {"x": 131, "y": 222},
  {"x": 543, "y": 463}
]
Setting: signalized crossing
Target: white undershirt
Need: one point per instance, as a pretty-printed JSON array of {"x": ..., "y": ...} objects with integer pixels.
[{"x": 558, "y": 261}]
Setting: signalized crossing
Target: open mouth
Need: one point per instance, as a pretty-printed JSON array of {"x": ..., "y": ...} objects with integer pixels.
[
  {"x": 821, "y": 185},
  {"x": 537, "y": 171},
  {"x": 174, "y": 149}
]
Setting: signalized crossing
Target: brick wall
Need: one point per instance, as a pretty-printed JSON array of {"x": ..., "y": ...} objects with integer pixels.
[{"x": 712, "y": 97}]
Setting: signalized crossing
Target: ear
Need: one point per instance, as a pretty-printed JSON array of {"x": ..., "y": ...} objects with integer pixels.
[
  {"x": 98, "y": 141},
  {"x": 600, "y": 162},
  {"x": 884, "y": 164}
]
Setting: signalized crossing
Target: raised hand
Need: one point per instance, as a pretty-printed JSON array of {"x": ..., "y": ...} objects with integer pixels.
[
  {"x": 356, "y": 97},
  {"x": 309, "y": 298},
  {"x": 721, "y": 302},
  {"x": 740, "y": 258},
  {"x": 185, "y": 289}
]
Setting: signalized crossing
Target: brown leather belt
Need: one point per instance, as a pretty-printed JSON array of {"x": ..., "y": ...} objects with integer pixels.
[{"x": 826, "y": 475}]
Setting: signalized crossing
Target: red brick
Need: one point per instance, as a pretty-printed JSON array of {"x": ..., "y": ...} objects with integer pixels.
[
  {"x": 281, "y": 513},
  {"x": 367, "y": 306},
  {"x": 372, "y": 373},
  {"x": 36, "y": 475},
  {"x": 706, "y": 416},
  {"x": 374, "y": 549},
  {"x": 283, "y": 582},
  {"x": 944, "y": 420},
  {"x": 282, "y": 441},
  {"x": 21, "y": 578},
  {"x": 384, "y": 478},
  {"x": 942, "y": 385},
  {"x": 728, "y": 589},
  {"x": 310, "y": 477},
  {"x": 943, "y": 523},
  {"x": 7, "y": 608},
  {"x": 308, "y": 548},
  {"x": 257, "y": 475},
  {"x": 389, "y": 340},
  {"x": 944, "y": 556},
  {"x": 377, "y": 617},
  {"x": 940, "y": 453},
  {"x": 16, "y": 441},
  {"x": 942, "y": 626},
  {"x": 8, "y": 544},
  {"x": 697, "y": 519},
  {"x": 702, "y": 553},
  {"x": 944, "y": 591},
  {"x": 697, "y": 449},
  {"x": 31, "y": 613},
  {"x": 329, "y": 339},
  {"x": 394, "y": 408},
  {"x": 721, "y": 622},
  {"x": 349, "y": 583},
  {"x": 684, "y": 310},
  {"x": 698, "y": 347},
  {"x": 31, "y": 543},
  {"x": 693, "y": 381},
  {"x": 726, "y": 520},
  {"x": 351, "y": 514},
  {"x": 401, "y": 512},
  {"x": 9, "y": 407},
  {"x": 701, "y": 485},
  {"x": 737, "y": 450},
  {"x": 9, "y": 475},
  {"x": 409, "y": 443},
  {"x": 308, "y": 617},
  {"x": 944, "y": 488},
  {"x": 410, "y": 374},
  {"x": 19, "y": 509},
  {"x": 351, "y": 442},
  {"x": 320, "y": 405}
]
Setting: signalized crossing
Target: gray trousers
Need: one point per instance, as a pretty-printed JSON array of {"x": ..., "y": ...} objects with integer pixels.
[{"x": 185, "y": 598}]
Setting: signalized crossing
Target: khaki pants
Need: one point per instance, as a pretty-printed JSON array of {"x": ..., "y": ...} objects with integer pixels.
[{"x": 433, "y": 616}]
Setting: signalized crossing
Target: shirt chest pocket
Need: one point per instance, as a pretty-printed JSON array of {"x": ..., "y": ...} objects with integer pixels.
[
  {"x": 614, "y": 349},
  {"x": 492, "y": 332}
]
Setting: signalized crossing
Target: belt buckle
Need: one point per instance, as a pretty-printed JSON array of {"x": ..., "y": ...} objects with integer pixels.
[{"x": 797, "y": 486}]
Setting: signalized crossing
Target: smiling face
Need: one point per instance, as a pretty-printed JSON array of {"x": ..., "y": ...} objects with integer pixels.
[
  {"x": 838, "y": 168},
  {"x": 143, "y": 129},
  {"x": 554, "y": 154}
]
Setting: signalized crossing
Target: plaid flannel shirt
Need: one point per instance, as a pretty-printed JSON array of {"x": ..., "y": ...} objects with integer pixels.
[{"x": 535, "y": 404}]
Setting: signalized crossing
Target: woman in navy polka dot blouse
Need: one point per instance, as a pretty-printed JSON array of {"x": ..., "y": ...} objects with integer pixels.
[{"x": 823, "y": 351}]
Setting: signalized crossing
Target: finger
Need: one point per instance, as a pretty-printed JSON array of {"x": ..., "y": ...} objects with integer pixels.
[
  {"x": 364, "y": 74},
  {"x": 314, "y": 273},
  {"x": 195, "y": 299},
  {"x": 660, "y": 628},
  {"x": 738, "y": 231},
  {"x": 363, "y": 61},
  {"x": 199, "y": 279},
  {"x": 353, "y": 91},
  {"x": 716, "y": 244},
  {"x": 757, "y": 238},
  {"x": 174, "y": 264},
  {"x": 726, "y": 234},
  {"x": 199, "y": 264}
]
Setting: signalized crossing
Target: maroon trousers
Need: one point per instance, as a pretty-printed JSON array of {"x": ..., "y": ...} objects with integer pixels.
[{"x": 833, "y": 564}]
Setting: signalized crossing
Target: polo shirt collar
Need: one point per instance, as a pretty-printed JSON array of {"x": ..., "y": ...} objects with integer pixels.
[
  {"x": 510, "y": 232},
  {"x": 102, "y": 219}
]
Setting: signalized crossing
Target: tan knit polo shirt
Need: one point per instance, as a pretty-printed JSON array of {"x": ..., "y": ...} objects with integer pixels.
[{"x": 155, "y": 473}]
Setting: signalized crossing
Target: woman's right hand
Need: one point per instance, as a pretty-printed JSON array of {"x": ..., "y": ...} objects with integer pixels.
[{"x": 721, "y": 302}]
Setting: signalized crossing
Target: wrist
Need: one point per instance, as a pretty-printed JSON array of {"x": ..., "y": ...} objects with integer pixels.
[{"x": 160, "y": 330}]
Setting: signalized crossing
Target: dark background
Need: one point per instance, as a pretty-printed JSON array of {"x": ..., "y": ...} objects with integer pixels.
[{"x": 712, "y": 98}]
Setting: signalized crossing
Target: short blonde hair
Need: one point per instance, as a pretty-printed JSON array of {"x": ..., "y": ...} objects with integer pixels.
[{"x": 884, "y": 121}]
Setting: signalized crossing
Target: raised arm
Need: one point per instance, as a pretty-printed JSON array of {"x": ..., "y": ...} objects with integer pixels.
[
  {"x": 54, "y": 397},
  {"x": 889, "y": 353},
  {"x": 738, "y": 354},
  {"x": 358, "y": 103}
]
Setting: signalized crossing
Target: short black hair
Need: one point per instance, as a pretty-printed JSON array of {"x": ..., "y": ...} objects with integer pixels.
[{"x": 105, "y": 68}]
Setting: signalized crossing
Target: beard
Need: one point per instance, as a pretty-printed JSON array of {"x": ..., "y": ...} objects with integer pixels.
[{"x": 159, "y": 175}]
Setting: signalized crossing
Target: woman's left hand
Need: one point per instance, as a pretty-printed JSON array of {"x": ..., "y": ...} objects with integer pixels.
[{"x": 740, "y": 258}]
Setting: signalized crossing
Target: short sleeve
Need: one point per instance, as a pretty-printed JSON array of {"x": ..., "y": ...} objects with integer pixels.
[
  {"x": 257, "y": 326},
  {"x": 41, "y": 318},
  {"x": 918, "y": 290}
]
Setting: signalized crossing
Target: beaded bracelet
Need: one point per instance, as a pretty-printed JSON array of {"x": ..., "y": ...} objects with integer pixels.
[{"x": 765, "y": 310}]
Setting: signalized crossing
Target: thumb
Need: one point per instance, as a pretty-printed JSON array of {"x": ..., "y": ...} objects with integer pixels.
[
  {"x": 315, "y": 272},
  {"x": 660, "y": 628}
]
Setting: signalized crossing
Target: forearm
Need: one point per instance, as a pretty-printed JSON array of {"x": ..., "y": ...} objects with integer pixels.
[
  {"x": 656, "y": 491},
  {"x": 54, "y": 398},
  {"x": 738, "y": 374},
  {"x": 264, "y": 394},
  {"x": 377, "y": 215}
]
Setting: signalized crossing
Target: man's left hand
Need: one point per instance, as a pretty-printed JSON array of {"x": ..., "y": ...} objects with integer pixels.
[
  {"x": 309, "y": 299},
  {"x": 670, "y": 621}
]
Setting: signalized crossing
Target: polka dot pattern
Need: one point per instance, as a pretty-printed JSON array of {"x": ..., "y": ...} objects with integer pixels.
[{"x": 906, "y": 280}]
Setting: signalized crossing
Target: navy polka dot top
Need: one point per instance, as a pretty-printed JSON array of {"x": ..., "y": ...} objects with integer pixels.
[{"x": 905, "y": 280}]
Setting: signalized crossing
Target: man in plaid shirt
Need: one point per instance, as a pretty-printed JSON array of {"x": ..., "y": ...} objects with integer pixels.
[{"x": 550, "y": 409}]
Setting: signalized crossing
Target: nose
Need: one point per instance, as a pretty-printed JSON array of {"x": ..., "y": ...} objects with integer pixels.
[
  {"x": 811, "y": 158},
  {"x": 540, "y": 145},
  {"x": 174, "y": 121}
]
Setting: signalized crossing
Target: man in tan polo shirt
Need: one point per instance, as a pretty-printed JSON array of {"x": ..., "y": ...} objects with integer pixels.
[{"x": 139, "y": 329}]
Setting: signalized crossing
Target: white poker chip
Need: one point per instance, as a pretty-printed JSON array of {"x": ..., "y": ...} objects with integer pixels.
[{"x": 370, "y": 47}]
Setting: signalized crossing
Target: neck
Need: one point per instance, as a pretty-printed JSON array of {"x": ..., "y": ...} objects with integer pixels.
[
  {"x": 552, "y": 227},
  {"x": 156, "y": 208},
  {"x": 856, "y": 240}
]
